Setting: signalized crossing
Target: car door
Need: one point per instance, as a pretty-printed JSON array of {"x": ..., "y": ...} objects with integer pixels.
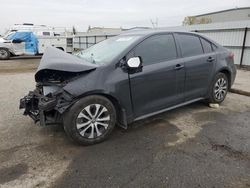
[
  {"x": 160, "y": 84},
  {"x": 18, "y": 48},
  {"x": 199, "y": 64}
]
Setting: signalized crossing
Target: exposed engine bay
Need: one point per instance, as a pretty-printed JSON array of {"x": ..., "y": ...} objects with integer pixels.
[{"x": 49, "y": 100}]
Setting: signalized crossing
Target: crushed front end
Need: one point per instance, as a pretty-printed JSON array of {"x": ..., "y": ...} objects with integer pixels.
[
  {"x": 49, "y": 100},
  {"x": 46, "y": 104}
]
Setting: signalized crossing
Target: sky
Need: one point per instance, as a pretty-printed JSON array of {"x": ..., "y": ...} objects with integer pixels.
[{"x": 107, "y": 13}]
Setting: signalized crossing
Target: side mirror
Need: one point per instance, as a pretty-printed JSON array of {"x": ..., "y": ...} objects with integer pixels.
[
  {"x": 134, "y": 62},
  {"x": 17, "y": 41}
]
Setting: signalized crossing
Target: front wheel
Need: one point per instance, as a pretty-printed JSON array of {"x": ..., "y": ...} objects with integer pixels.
[
  {"x": 4, "y": 54},
  {"x": 90, "y": 120},
  {"x": 218, "y": 89}
]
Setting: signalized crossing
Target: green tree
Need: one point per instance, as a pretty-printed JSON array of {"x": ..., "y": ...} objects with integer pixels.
[
  {"x": 189, "y": 20},
  {"x": 205, "y": 20}
]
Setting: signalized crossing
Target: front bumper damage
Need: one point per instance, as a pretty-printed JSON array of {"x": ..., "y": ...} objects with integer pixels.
[{"x": 46, "y": 109}]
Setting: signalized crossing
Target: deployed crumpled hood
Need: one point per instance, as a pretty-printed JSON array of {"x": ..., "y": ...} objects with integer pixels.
[{"x": 55, "y": 60}]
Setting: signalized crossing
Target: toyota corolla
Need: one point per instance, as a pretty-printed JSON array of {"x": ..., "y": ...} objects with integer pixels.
[{"x": 127, "y": 78}]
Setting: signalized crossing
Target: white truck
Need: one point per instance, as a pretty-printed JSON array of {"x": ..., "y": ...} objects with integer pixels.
[{"x": 29, "y": 39}]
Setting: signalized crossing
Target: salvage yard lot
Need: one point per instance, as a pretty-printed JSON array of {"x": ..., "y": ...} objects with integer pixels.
[
  {"x": 20, "y": 64},
  {"x": 193, "y": 146}
]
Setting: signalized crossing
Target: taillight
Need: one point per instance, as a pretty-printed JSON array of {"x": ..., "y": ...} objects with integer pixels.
[{"x": 231, "y": 55}]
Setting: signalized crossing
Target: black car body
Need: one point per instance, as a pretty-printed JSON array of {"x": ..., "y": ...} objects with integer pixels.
[{"x": 175, "y": 69}]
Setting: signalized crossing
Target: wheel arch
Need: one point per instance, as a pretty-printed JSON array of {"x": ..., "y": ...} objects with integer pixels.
[
  {"x": 227, "y": 73},
  {"x": 121, "y": 111}
]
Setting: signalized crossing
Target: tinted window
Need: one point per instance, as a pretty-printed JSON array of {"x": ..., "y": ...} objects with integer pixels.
[
  {"x": 156, "y": 49},
  {"x": 190, "y": 45},
  {"x": 207, "y": 47}
]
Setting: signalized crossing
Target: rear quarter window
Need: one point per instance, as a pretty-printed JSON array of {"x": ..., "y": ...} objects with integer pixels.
[
  {"x": 214, "y": 47},
  {"x": 207, "y": 46},
  {"x": 190, "y": 45}
]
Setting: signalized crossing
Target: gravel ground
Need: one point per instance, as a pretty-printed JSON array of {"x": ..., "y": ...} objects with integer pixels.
[
  {"x": 19, "y": 64},
  {"x": 242, "y": 81},
  {"x": 193, "y": 146}
]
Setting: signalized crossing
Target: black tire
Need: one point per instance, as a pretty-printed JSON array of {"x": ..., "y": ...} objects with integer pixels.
[
  {"x": 74, "y": 118},
  {"x": 216, "y": 87},
  {"x": 4, "y": 54}
]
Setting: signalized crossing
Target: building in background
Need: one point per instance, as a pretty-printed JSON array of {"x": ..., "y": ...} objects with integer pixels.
[
  {"x": 103, "y": 30},
  {"x": 108, "y": 30},
  {"x": 236, "y": 14}
]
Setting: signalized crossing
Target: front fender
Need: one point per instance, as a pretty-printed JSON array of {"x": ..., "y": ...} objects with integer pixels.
[{"x": 113, "y": 83}]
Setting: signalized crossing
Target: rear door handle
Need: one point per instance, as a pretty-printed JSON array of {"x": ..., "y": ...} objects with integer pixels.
[
  {"x": 178, "y": 67},
  {"x": 210, "y": 59}
]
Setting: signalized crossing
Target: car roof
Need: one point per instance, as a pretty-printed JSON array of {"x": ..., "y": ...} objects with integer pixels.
[
  {"x": 145, "y": 32},
  {"x": 149, "y": 32}
]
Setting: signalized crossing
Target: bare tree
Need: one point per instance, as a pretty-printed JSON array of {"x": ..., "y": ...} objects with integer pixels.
[{"x": 154, "y": 23}]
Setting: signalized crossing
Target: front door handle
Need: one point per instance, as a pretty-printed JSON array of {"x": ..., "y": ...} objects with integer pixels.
[
  {"x": 178, "y": 67},
  {"x": 210, "y": 59}
]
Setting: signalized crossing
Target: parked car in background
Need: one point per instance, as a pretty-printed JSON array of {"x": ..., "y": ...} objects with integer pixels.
[
  {"x": 127, "y": 78},
  {"x": 30, "y": 39}
]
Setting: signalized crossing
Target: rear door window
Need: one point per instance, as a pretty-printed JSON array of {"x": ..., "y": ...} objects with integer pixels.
[
  {"x": 156, "y": 49},
  {"x": 207, "y": 46},
  {"x": 190, "y": 45}
]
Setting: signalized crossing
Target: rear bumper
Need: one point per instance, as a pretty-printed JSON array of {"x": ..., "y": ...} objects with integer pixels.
[{"x": 45, "y": 109}]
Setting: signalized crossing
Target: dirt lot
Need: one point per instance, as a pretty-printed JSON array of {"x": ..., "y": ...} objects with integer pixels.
[
  {"x": 193, "y": 146},
  {"x": 20, "y": 64}
]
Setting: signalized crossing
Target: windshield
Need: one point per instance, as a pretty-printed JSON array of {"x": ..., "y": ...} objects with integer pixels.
[
  {"x": 105, "y": 51},
  {"x": 9, "y": 35}
]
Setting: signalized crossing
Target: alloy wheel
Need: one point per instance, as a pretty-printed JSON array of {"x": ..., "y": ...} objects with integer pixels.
[
  {"x": 93, "y": 121},
  {"x": 220, "y": 89}
]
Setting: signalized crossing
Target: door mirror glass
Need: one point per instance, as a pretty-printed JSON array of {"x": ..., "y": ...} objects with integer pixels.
[{"x": 134, "y": 62}]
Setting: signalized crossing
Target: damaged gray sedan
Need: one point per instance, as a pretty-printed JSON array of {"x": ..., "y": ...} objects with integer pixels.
[{"x": 126, "y": 78}]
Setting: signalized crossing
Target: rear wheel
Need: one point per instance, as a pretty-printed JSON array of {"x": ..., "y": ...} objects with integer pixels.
[
  {"x": 90, "y": 120},
  {"x": 4, "y": 54},
  {"x": 219, "y": 88}
]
